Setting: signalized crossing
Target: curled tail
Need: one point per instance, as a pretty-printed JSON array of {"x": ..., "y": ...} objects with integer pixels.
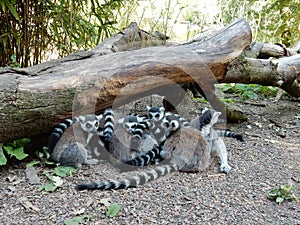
[
  {"x": 132, "y": 181},
  {"x": 226, "y": 133},
  {"x": 147, "y": 158},
  {"x": 58, "y": 131}
]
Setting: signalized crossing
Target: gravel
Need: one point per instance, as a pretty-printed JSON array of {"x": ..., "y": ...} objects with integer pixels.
[{"x": 263, "y": 162}]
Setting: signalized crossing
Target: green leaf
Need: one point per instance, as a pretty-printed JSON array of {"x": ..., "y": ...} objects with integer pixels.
[
  {"x": 10, "y": 7},
  {"x": 21, "y": 142},
  {"x": 226, "y": 87},
  {"x": 76, "y": 220},
  {"x": 64, "y": 171},
  {"x": 3, "y": 159},
  {"x": 48, "y": 187},
  {"x": 113, "y": 210},
  {"x": 17, "y": 152},
  {"x": 281, "y": 193},
  {"x": 33, "y": 163}
]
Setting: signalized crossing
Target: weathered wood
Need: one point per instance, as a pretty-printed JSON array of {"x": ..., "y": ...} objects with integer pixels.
[
  {"x": 30, "y": 105},
  {"x": 34, "y": 99},
  {"x": 283, "y": 72}
]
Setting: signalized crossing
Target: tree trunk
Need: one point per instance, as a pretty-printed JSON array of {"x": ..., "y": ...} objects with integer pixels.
[{"x": 34, "y": 99}]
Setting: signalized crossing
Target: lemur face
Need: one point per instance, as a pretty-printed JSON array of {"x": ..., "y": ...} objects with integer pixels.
[
  {"x": 90, "y": 123},
  {"x": 156, "y": 113}
]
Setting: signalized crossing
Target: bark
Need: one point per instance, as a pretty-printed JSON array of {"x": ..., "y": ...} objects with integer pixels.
[{"x": 33, "y": 100}]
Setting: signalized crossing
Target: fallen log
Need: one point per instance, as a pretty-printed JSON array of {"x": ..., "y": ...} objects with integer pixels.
[{"x": 35, "y": 99}]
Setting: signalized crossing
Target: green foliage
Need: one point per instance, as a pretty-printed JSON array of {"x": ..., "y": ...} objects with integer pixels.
[
  {"x": 77, "y": 220},
  {"x": 250, "y": 91},
  {"x": 43, "y": 156},
  {"x": 272, "y": 21},
  {"x": 55, "y": 178},
  {"x": 281, "y": 193},
  {"x": 64, "y": 171},
  {"x": 16, "y": 149},
  {"x": 3, "y": 159},
  {"x": 10, "y": 5},
  {"x": 13, "y": 63},
  {"x": 113, "y": 210},
  {"x": 54, "y": 26}
]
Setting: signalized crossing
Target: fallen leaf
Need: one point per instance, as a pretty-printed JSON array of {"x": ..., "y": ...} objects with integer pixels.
[
  {"x": 78, "y": 212},
  {"x": 31, "y": 175},
  {"x": 27, "y": 204},
  {"x": 105, "y": 202}
]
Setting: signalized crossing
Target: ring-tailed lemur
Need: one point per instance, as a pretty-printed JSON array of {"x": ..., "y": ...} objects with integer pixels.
[
  {"x": 203, "y": 123},
  {"x": 205, "y": 118},
  {"x": 72, "y": 146},
  {"x": 192, "y": 156},
  {"x": 127, "y": 128},
  {"x": 81, "y": 140}
]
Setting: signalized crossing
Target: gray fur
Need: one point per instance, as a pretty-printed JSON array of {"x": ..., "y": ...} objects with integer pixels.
[
  {"x": 75, "y": 146},
  {"x": 215, "y": 142}
]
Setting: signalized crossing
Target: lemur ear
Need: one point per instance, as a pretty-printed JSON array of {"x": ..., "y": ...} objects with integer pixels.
[
  {"x": 148, "y": 107},
  {"x": 175, "y": 124},
  {"x": 204, "y": 110},
  {"x": 81, "y": 118},
  {"x": 162, "y": 109},
  {"x": 99, "y": 117}
]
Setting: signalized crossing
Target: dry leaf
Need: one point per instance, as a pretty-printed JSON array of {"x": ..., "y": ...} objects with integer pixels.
[
  {"x": 31, "y": 175},
  {"x": 27, "y": 204},
  {"x": 105, "y": 202}
]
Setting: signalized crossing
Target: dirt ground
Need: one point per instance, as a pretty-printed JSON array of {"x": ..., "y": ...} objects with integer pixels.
[{"x": 269, "y": 157}]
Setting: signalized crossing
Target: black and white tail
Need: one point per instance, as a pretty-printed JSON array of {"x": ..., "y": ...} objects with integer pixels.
[
  {"x": 226, "y": 133},
  {"x": 132, "y": 181},
  {"x": 137, "y": 134},
  {"x": 146, "y": 158},
  {"x": 58, "y": 131},
  {"x": 108, "y": 128},
  {"x": 170, "y": 124},
  {"x": 205, "y": 119}
]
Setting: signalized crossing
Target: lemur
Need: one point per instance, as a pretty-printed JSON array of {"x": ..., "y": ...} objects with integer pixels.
[
  {"x": 71, "y": 147},
  {"x": 81, "y": 140},
  {"x": 204, "y": 124},
  {"x": 127, "y": 128},
  {"x": 192, "y": 155}
]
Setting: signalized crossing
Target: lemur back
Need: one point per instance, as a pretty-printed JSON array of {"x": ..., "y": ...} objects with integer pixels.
[
  {"x": 73, "y": 146},
  {"x": 192, "y": 155}
]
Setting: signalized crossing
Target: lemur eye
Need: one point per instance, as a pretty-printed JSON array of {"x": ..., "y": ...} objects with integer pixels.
[
  {"x": 166, "y": 124},
  {"x": 151, "y": 116},
  {"x": 96, "y": 124},
  {"x": 88, "y": 125},
  {"x": 126, "y": 126},
  {"x": 157, "y": 116}
]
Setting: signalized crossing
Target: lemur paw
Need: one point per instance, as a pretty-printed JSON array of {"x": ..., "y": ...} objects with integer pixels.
[
  {"x": 225, "y": 168},
  {"x": 92, "y": 161}
]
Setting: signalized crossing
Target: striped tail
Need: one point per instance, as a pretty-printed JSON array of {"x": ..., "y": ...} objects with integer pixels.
[
  {"x": 137, "y": 134},
  {"x": 132, "y": 181},
  {"x": 226, "y": 133},
  {"x": 147, "y": 158},
  {"x": 108, "y": 128},
  {"x": 58, "y": 131}
]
